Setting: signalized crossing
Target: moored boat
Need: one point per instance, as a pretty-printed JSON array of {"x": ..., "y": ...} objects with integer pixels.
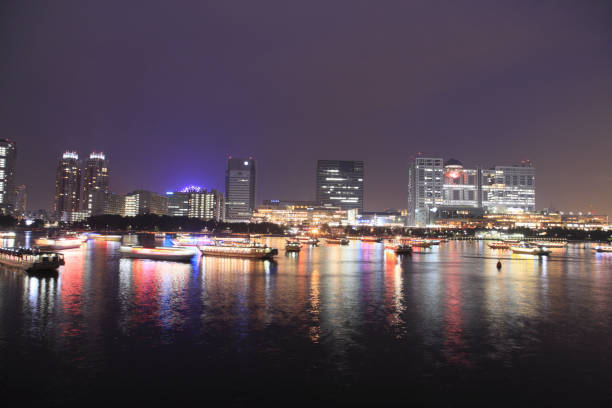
[
  {"x": 293, "y": 246},
  {"x": 604, "y": 248},
  {"x": 177, "y": 254},
  {"x": 58, "y": 244},
  {"x": 238, "y": 250},
  {"x": 371, "y": 239},
  {"x": 186, "y": 240},
  {"x": 100, "y": 237},
  {"x": 417, "y": 243},
  {"x": 530, "y": 250},
  {"x": 31, "y": 260},
  {"x": 337, "y": 241},
  {"x": 499, "y": 245},
  {"x": 399, "y": 248},
  {"x": 308, "y": 240},
  {"x": 552, "y": 244}
]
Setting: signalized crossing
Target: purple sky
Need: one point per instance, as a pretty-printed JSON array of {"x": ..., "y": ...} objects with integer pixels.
[{"x": 169, "y": 89}]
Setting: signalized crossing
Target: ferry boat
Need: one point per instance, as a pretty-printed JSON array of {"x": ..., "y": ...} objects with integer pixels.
[
  {"x": 339, "y": 241},
  {"x": 177, "y": 254},
  {"x": 552, "y": 244},
  {"x": 186, "y": 240},
  {"x": 530, "y": 250},
  {"x": 308, "y": 240},
  {"x": 31, "y": 260},
  {"x": 293, "y": 246},
  {"x": 238, "y": 250},
  {"x": 603, "y": 248},
  {"x": 399, "y": 248},
  {"x": 418, "y": 243},
  {"x": 58, "y": 244},
  {"x": 99, "y": 237},
  {"x": 499, "y": 245},
  {"x": 371, "y": 239}
]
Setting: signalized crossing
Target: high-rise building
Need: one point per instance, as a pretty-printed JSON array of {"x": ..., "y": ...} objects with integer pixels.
[
  {"x": 21, "y": 200},
  {"x": 239, "y": 189},
  {"x": 142, "y": 202},
  {"x": 424, "y": 189},
  {"x": 437, "y": 189},
  {"x": 8, "y": 155},
  {"x": 207, "y": 205},
  {"x": 178, "y": 203},
  {"x": 95, "y": 184},
  {"x": 340, "y": 184},
  {"x": 114, "y": 204},
  {"x": 67, "y": 186}
]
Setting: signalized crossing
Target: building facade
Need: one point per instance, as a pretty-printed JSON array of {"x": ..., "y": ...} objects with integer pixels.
[
  {"x": 207, "y": 205},
  {"x": 340, "y": 184},
  {"x": 447, "y": 190},
  {"x": 141, "y": 202},
  {"x": 114, "y": 204},
  {"x": 95, "y": 184},
  {"x": 425, "y": 189},
  {"x": 178, "y": 203},
  {"x": 67, "y": 186},
  {"x": 8, "y": 156},
  {"x": 21, "y": 200},
  {"x": 240, "y": 183}
]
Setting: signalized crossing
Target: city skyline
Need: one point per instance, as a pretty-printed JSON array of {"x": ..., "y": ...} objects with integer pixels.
[{"x": 541, "y": 93}]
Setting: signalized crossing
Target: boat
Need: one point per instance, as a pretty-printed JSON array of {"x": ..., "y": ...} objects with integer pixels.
[
  {"x": 499, "y": 245},
  {"x": 160, "y": 235},
  {"x": 552, "y": 244},
  {"x": 234, "y": 249},
  {"x": 186, "y": 240},
  {"x": 399, "y": 248},
  {"x": 31, "y": 260},
  {"x": 603, "y": 248},
  {"x": 538, "y": 250},
  {"x": 433, "y": 241},
  {"x": 7, "y": 234},
  {"x": 418, "y": 243},
  {"x": 99, "y": 237},
  {"x": 339, "y": 241},
  {"x": 177, "y": 254},
  {"x": 308, "y": 240},
  {"x": 58, "y": 244},
  {"x": 371, "y": 239},
  {"x": 293, "y": 246}
]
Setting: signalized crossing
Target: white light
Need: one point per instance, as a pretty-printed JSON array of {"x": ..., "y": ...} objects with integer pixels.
[{"x": 246, "y": 163}]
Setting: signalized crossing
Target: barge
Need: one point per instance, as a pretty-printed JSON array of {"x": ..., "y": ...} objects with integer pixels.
[
  {"x": 31, "y": 260},
  {"x": 238, "y": 250},
  {"x": 177, "y": 254}
]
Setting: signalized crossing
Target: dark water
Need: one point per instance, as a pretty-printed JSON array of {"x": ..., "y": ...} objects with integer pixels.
[{"x": 334, "y": 325}]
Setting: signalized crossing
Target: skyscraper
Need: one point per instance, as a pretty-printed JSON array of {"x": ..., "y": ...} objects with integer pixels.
[
  {"x": 142, "y": 202},
  {"x": 207, "y": 205},
  {"x": 95, "y": 184},
  {"x": 424, "y": 189},
  {"x": 239, "y": 189},
  {"x": 340, "y": 183},
  {"x": 67, "y": 186},
  {"x": 8, "y": 154},
  {"x": 21, "y": 200}
]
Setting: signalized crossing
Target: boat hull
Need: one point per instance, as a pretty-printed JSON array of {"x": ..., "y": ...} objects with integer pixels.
[{"x": 238, "y": 252}]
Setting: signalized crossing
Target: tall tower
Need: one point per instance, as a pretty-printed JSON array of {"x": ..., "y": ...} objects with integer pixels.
[
  {"x": 425, "y": 189},
  {"x": 239, "y": 189},
  {"x": 67, "y": 186},
  {"x": 21, "y": 200},
  {"x": 340, "y": 183},
  {"x": 95, "y": 184},
  {"x": 8, "y": 154}
]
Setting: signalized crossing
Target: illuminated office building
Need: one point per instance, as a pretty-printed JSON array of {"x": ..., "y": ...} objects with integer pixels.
[
  {"x": 114, "y": 204},
  {"x": 178, "y": 203},
  {"x": 95, "y": 184},
  {"x": 141, "y": 202},
  {"x": 448, "y": 190},
  {"x": 8, "y": 155},
  {"x": 67, "y": 186},
  {"x": 21, "y": 200},
  {"x": 240, "y": 177},
  {"x": 340, "y": 184},
  {"x": 196, "y": 202},
  {"x": 425, "y": 189}
]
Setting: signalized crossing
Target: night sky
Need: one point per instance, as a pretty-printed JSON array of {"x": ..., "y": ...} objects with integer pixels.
[{"x": 168, "y": 89}]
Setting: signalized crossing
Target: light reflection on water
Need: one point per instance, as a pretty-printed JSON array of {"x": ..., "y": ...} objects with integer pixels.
[{"x": 448, "y": 306}]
